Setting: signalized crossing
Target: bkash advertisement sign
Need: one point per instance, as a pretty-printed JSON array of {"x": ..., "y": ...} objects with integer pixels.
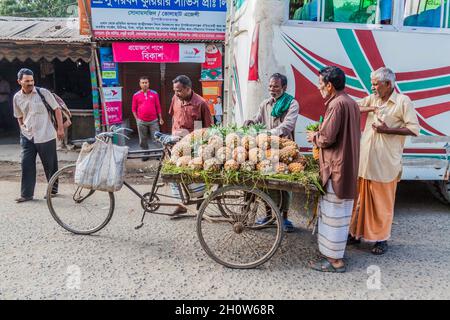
[
  {"x": 159, "y": 19},
  {"x": 113, "y": 103},
  {"x": 157, "y": 52}
]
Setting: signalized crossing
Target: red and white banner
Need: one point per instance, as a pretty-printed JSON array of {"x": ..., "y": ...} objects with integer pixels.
[{"x": 157, "y": 52}]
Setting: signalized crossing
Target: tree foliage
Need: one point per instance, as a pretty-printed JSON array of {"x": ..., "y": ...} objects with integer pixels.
[{"x": 38, "y": 8}]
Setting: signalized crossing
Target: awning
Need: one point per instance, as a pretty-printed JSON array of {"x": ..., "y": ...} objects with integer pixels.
[{"x": 36, "y": 52}]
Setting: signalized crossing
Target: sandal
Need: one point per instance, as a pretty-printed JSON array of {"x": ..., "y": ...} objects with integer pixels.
[
  {"x": 352, "y": 240},
  {"x": 380, "y": 248},
  {"x": 324, "y": 265},
  {"x": 288, "y": 226}
]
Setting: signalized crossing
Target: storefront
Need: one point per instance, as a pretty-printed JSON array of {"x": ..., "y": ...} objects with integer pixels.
[
  {"x": 59, "y": 58},
  {"x": 161, "y": 40}
]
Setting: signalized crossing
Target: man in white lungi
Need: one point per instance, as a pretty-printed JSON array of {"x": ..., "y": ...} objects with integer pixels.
[{"x": 339, "y": 140}]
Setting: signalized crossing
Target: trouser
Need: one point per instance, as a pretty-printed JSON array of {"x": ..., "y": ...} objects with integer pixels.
[
  {"x": 49, "y": 159},
  {"x": 218, "y": 119},
  {"x": 147, "y": 131}
]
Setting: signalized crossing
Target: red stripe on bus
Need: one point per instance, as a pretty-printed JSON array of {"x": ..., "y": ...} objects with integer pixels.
[
  {"x": 310, "y": 66},
  {"x": 347, "y": 71},
  {"x": 428, "y": 93},
  {"x": 414, "y": 75},
  {"x": 426, "y": 126},
  {"x": 370, "y": 48},
  {"x": 406, "y": 150},
  {"x": 431, "y": 111},
  {"x": 425, "y": 151},
  {"x": 355, "y": 93}
]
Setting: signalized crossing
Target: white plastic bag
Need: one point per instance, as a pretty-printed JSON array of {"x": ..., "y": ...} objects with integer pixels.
[{"x": 101, "y": 166}]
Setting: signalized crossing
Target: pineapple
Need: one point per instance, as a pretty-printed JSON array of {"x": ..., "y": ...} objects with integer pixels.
[
  {"x": 232, "y": 140},
  {"x": 296, "y": 167},
  {"x": 255, "y": 155},
  {"x": 281, "y": 168},
  {"x": 199, "y": 135},
  {"x": 187, "y": 139},
  {"x": 273, "y": 155},
  {"x": 265, "y": 167},
  {"x": 216, "y": 142},
  {"x": 212, "y": 164},
  {"x": 240, "y": 154},
  {"x": 248, "y": 142},
  {"x": 301, "y": 159},
  {"x": 275, "y": 142},
  {"x": 224, "y": 154},
  {"x": 315, "y": 153},
  {"x": 205, "y": 152},
  {"x": 263, "y": 141},
  {"x": 232, "y": 165},
  {"x": 183, "y": 162},
  {"x": 284, "y": 142},
  {"x": 196, "y": 164},
  {"x": 179, "y": 150},
  {"x": 248, "y": 166},
  {"x": 288, "y": 154}
]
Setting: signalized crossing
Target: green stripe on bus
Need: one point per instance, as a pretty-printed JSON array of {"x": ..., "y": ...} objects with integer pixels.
[
  {"x": 424, "y": 84},
  {"x": 315, "y": 63},
  {"x": 442, "y": 157},
  {"x": 356, "y": 56},
  {"x": 425, "y": 133},
  {"x": 355, "y": 83}
]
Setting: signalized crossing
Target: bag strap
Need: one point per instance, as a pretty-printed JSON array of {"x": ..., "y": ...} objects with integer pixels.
[{"x": 47, "y": 106}]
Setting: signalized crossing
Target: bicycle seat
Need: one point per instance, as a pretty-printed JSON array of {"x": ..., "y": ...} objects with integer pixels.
[{"x": 166, "y": 139}]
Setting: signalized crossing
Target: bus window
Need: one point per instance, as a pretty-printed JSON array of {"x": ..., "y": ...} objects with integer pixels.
[
  {"x": 426, "y": 13},
  {"x": 305, "y": 10},
  {"x": 359, "y": 11}
]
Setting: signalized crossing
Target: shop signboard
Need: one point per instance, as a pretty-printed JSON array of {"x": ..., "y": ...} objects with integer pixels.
[
  {"x": 110, "y": 70},
  {"x": 159, "y": 19},
  {"x": 158, "y": 52},
  {"x": 212, "y": 67},
  {"x": 113, "y": 104}
]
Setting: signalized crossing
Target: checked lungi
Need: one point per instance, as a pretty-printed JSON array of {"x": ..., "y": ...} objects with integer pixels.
[{"x": 334, "y": 222}]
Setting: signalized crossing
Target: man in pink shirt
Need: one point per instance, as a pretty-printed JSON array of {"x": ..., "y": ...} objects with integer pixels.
[{"x": 147, "y": 112}]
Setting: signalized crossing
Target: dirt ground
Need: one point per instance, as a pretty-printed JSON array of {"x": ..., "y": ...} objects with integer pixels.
[{"x": 138, "y": 173}]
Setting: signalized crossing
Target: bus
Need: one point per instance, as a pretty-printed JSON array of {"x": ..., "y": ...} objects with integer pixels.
[{"x": 299, "y": 37}]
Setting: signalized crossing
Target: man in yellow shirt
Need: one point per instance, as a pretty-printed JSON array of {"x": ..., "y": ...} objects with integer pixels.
[{"x": 391, "y": 117}]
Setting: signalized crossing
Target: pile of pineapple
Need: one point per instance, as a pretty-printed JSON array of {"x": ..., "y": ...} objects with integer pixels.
[{"x": 247, "y": 149}]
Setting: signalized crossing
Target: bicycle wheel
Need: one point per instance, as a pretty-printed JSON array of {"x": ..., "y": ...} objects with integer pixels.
[
  {"x": 78, "y": 210},
  {"x": 232, "y": 239}
]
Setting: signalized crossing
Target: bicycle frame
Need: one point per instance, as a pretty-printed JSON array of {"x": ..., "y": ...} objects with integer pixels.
[{"x": 151, "y": 199}]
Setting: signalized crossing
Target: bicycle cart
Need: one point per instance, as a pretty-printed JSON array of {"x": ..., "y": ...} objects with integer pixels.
[{"x": 238, "y": 225}]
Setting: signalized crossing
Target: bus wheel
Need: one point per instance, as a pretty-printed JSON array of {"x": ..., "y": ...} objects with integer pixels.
[{"x": 441, "y": 190}]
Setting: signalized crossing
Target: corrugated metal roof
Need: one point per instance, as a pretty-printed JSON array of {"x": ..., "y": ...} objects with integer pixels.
[{"x": 41, "y": 30}]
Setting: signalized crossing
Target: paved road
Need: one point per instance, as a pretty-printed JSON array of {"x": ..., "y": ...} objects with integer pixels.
[{"x": 164, "y": 260}]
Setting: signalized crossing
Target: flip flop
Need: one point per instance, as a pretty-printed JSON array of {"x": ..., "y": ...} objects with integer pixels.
[
  {"x": 380, "y": 248},
  {"x": 288, "y": 226},
  {"x": 324, "y": 265}
]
